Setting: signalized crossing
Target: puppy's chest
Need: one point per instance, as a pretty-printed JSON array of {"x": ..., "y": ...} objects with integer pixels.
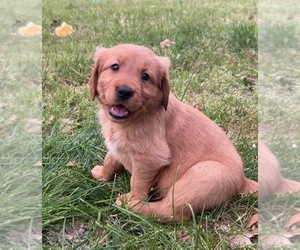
[{"x": 123, "y": 148}]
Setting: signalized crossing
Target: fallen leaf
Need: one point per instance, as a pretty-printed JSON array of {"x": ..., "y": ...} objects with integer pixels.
[
  {"x": 64, "y": 30},
  {"x": 183, "y": 235},
  {"x": 274, "y": 241},
  {"x": 67, "y": 125},
  {"x": 123, "y": 22},
  {"x": 13, "y": 118},
  {"x": 290, "y": 16},
  {"x": 253, "y": 222},
  {"x": 228, "y": 21},
  {"x": 166, "y": 43},
  {"x": 196, "y": 106},
  {"x": 222, "y": 227},
  {"x": 38, "y": 164},
  {"x": 51, "y": 118},
  {"x": 238, "y": 241},
  {"x": 2, "y": 106},
  {"x": 250, "y": 17},
  {"x": 33, "y": 125},
  {"x": 294, "y": 222},
  {"x": 72, "y": 164},
  {"x": 55, "y": 22},
  {"x": 30, "y": 30}
]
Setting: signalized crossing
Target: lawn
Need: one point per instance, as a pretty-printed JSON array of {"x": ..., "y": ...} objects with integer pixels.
[
  {"x": 20, "y": 127},
  {"x": 214, "y": 68},
  {"x": 279, "y": 102}
]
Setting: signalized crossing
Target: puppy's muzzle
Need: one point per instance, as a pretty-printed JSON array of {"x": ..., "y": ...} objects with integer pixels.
[{"x": 124, "y": 93}]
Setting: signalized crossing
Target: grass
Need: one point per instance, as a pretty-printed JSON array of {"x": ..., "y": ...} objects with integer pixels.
[
  {"x": 214, "y": 66},
  {"x": 20, "y": 128},
  {"x": 279, "y": 100}
]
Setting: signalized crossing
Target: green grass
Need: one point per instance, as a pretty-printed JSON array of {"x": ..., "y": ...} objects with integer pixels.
[
  {"x": 214, "y": 65},
  {"x": 279, "y": 101},
  {"x": 20, "y": 131}
]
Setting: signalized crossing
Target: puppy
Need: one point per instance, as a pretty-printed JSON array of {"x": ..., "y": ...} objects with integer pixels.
[
  {"x": 270, "y": 179},
  {"x": 175, "y": 154}
]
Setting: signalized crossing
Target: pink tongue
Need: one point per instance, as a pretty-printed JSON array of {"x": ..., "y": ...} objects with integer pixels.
[{"x": 119, "y": 110}]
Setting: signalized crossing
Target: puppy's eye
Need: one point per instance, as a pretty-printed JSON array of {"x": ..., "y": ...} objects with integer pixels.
[
  {"x": 145, "y": 76},
  {"x": 115, "y": 67}
]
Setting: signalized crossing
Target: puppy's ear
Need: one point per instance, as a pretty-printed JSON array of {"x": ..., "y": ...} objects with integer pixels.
[
  {"x": 164, "y": 82},
  {"x": 96, "y": 72}
]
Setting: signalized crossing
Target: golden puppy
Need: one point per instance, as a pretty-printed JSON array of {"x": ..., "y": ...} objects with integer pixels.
[
  {"x": 174, "y": 153},
  {"x": 270, "y": 179}
]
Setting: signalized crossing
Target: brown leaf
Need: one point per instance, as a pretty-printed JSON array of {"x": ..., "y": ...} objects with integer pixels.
[
  {"x": 38, "y": 164},
  {"x": 51, "y": 118},
  {"x": 250, "y": 17},
  {"x": 238, "y": 241},
  {"x": 13, "y": 118},
  {"x": 290, "y": 16},
  {"x": 33, "y": 125},
  {"x": 196, "y": 106},
  {"x": 294, "y": 222},
  {"x": 183, "y": 235},
  {"x": 228, "y": 21},
  {"x": 222, "y": 227},
  {"x": 73, "y": 164},
  {"x": 274, "y": 241},
  {"x": 166, "y": 43},
  {"x": 67, "y": 125},
  {"x": 123, "y": 22},
  {"x": 253, "y": 222}
]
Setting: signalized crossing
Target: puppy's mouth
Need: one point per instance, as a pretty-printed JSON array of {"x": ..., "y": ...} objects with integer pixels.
[{"x": 118, "y": 112}]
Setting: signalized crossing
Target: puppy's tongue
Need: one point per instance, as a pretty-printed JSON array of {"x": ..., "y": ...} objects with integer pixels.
[{"x": 119, "y": 111}]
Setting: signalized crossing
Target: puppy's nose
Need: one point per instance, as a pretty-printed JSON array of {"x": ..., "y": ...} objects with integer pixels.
[{"x": 124, "y": 93}]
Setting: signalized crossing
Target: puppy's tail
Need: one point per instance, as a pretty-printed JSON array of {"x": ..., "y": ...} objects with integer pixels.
[{"x": 250, "y": 186}]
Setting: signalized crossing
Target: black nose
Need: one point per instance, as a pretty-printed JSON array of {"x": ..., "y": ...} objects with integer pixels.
[{"x": 124, "y": 93}]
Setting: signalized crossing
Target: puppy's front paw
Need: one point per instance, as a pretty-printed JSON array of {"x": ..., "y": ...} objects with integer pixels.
[{"x": 97, "y": 173}]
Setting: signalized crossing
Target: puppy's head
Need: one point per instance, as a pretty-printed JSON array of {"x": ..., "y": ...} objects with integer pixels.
[{"x": 129, "y": 81}]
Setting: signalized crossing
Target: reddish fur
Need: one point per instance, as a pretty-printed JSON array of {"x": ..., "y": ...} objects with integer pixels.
[
  {"x": 164, "y": 143},
  {"x": 270, "y": 178}
]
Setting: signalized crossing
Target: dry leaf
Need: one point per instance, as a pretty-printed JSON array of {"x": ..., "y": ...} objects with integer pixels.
[
  {"x": 294, "y": 222},
  {"x": 253, "y": 223},
  {"x": 33, "y": 125},
  {"x": 67, "y": 125},
  {"x": 76, "y": 233},
  {"x": 166, "y": 43},
  {"x": 64, "y": 30},
  {"x": 38, "y": 164},
  {"x": 30, "y": 30},
  {"x": 196, "y": 106},
  {"x": 183, "y": 235},
  {"x": 222, "y": 227},
  {"x": 290, "y": 16},
  {"x": 73, "y": 164},
  {"x": 51, "y": 118},
  {"x": 13, "y": 118},
  {"x": 123, "y": 22},
  {"x": 274, "y": 241},
  {"x": 228, "y": 21},
  {"x": 238, "y": 241},
  {"x": 250, "y": 17}
]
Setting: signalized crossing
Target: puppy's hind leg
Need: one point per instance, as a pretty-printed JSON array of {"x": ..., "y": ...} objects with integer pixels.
[{"x": 203, "y": 186}]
